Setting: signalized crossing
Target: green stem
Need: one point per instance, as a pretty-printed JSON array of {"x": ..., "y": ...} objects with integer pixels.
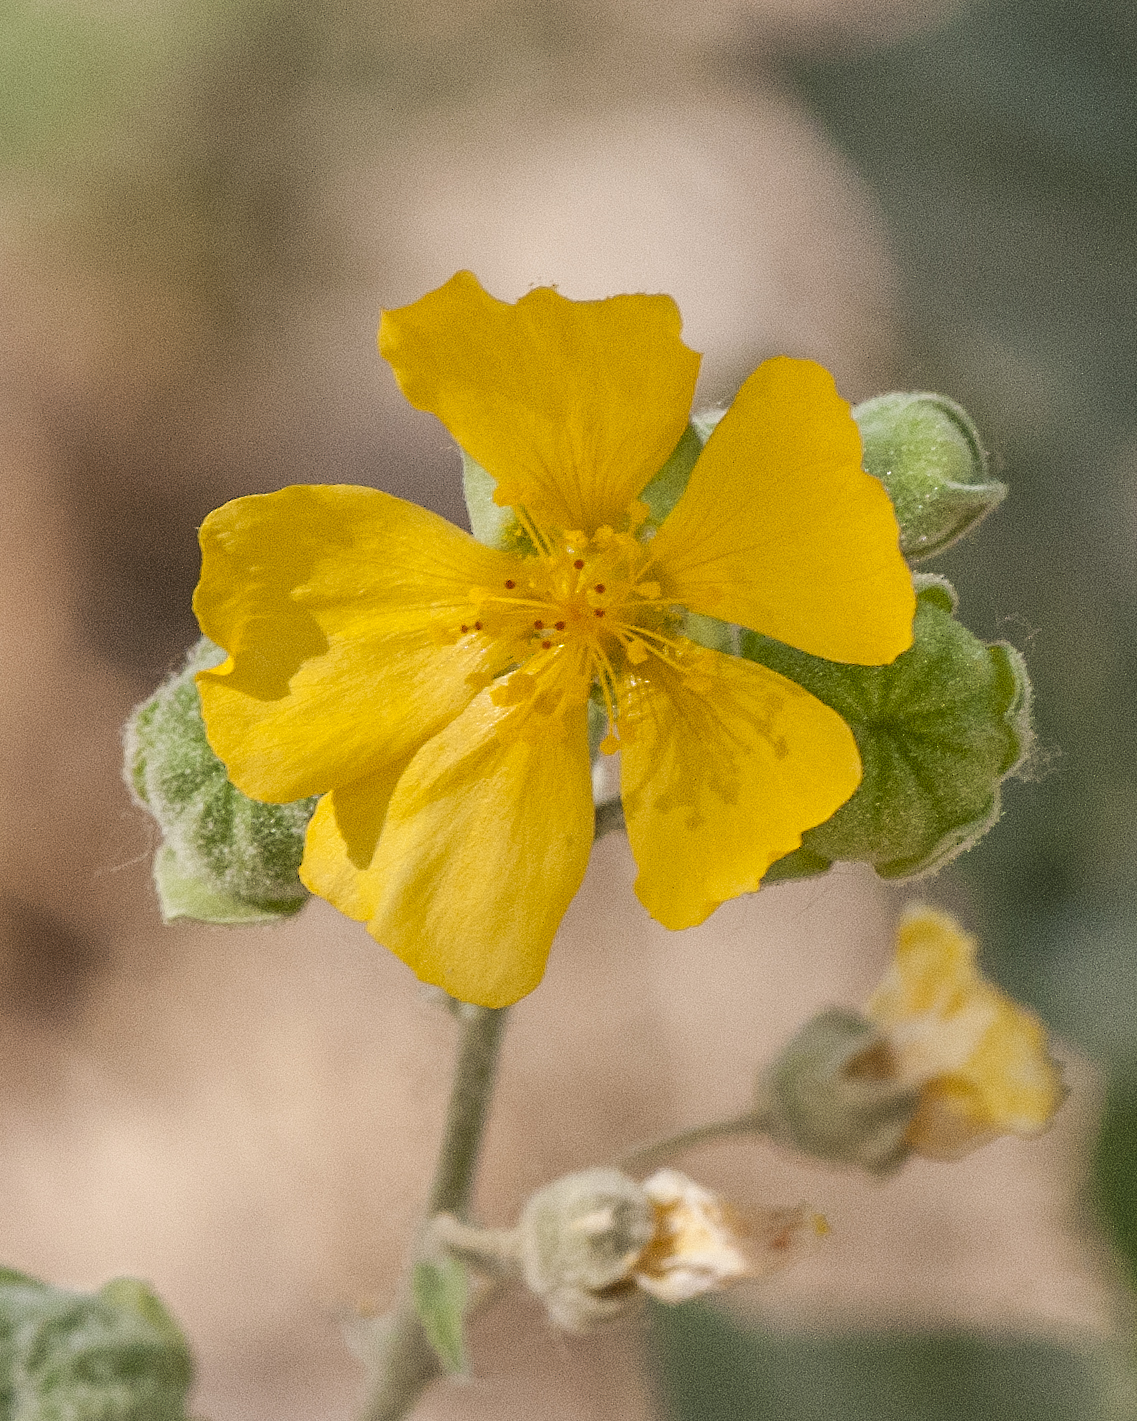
[
  {"x": 405, "y": 1362},
  {"x": 646, "y": 1157}
]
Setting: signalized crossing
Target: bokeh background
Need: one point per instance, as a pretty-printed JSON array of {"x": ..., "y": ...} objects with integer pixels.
[{"x": 204, "y": 206}]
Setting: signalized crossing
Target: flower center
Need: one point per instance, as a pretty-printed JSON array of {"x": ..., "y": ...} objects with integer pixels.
[{"x": 580, "y": 613}]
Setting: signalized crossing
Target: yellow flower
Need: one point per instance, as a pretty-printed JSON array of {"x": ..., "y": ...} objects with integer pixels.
[
  {"x": 979, "y": 1059},
  {"x": 435, "y": 691}
]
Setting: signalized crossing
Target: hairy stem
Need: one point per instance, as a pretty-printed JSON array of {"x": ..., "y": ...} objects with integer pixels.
[
  {"x": 405, "y": 1361},
  {"x": 646, "y": 1157}
]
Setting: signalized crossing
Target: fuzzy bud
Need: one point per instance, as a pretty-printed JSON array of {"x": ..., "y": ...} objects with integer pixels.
[
  {"x": 580, "y": 1238},
  {"x": 834, "y": 1093},
  {"x": 224, "y": 858},
  {"x": 926, "y": 451},
  {"x": 938, "y": 730}
]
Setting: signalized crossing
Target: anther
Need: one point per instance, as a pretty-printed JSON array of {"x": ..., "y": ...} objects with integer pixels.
[
  {"x": 540, "y": 626},
  {"x": 579, "y": 564},
  {"x": 600, "y": 611},
  {"x": 477, "y": 626},
  {"x": 465, "y": 628},
  {"x": 510, "y": 584},
  {"x": 560, "y": 626},
  {"x": 546, "y": 645},
  {"x": 599, "y": 587}
]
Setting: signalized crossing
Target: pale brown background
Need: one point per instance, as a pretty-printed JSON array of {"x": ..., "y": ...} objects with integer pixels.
[{"x": 246, "y": 1118}]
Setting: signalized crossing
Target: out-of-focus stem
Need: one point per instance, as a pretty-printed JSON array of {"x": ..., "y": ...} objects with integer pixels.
[
  {"x": 646, "y": 1157},
  {"x": 404, "y": 1360}
]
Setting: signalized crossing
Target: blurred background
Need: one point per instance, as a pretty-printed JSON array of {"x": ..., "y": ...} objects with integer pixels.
[{"x": 204, "y": 207}]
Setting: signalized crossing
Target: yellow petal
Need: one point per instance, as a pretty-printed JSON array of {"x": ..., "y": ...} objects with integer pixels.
[
  {"x": 572, "y": 406},
  {"x": 341, "y": 611},
  {"x": 981, "y": 1059},
  {"x": 343, "y": 835},
  {"x": 780, "y": 529},
  {"x": 724, "y": 764},
  {"x": 486, "y": 840},
  {"x": 932, "y": 977}
]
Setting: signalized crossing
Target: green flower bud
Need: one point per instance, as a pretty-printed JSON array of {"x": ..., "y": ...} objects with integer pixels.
[
  {"x": 224, "y": 858},
  {"x": 832, "y": 1093},
  {"x": 115, "y": 1355},
  {"x": 926, "y": 451},
  {"x": 579, "y": 1240},
  {"x": 938, "y": 731}
]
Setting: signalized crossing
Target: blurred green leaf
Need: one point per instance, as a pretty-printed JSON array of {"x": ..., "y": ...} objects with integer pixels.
[
  {"x": 114, "y": 1355},
  {"x": 441, "y": 1292},
  {"x": 1115, "y": 1168},
  {"x": 711, "y": 1369}
]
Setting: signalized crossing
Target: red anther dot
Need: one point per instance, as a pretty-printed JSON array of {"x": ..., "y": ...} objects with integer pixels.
[
  {"x": 465, "y": 628},
  {"x": 546, "y": 644},
  {"x": 579, "y": 564},
  {"x": 477, "y": 626},
  {"x": 600, "y": 611},
  {"x": 599, "y": 587},
  {"x": 560, "y": 626},
  {"x": 540, "y": 626},
  {"x": 511, "y": 584}
]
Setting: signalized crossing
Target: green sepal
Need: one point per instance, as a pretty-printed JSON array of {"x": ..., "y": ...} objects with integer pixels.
[
  {"x": 184, "y": 894},
  {"x": 114, "y": 1355},
  {"x": 832, "y": 1093},
  {"x": 491, "y": 524},
  {"x": 938, "y": 731},
  {"x": 926, "y": 451},
  {"x": 441, "y": 1292},
  {"x": 666, "y": 488},
  {"x": 225, "y": 858}
]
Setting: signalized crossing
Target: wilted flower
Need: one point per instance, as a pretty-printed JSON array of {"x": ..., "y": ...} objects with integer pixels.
[
  {"x": 979, "y": 1059},
  {"x": 701, "y": 1244}
]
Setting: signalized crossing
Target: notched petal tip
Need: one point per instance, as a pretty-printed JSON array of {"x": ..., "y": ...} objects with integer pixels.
[{"x": 571, "y": 406}]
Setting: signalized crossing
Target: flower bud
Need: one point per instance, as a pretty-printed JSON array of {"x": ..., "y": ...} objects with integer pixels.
[
  {"x": 926, "y": 451},
  {"x": 834, "y": 1093},
  {"x": 224, "y": 858},
  {"x": 938, "y": 731},
  {"x": 580, "y": 1238}
]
